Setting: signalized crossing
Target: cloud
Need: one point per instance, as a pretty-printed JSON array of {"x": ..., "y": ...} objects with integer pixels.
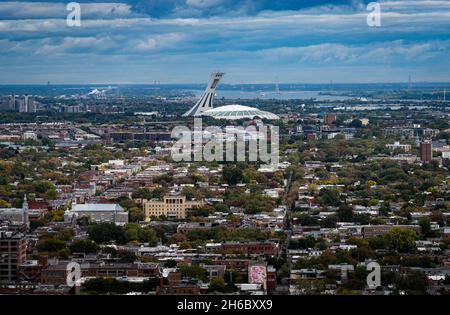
[
  {"x": 176, "y": 8},
  {"x": 15, "y": 10},
  {"x": 247, "y": 36},
  {"x": 396, "y": 52}
]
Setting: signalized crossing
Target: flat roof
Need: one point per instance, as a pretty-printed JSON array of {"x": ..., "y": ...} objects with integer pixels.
[{"x": 87, "y": 207}]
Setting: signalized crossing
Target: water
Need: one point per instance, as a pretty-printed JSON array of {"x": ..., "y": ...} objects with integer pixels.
[{"x": 267, "y": 95}]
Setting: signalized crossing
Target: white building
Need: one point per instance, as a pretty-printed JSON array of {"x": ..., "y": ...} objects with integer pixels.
[
  {"x": 29, "y": 135},
  {"x": 397, "y": 145},
  {"x": 16, "y": 216},
  {"x": 97, "y": 213}
]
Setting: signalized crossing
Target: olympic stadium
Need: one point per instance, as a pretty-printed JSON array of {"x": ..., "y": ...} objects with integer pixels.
[
  {"x": 235, "y": 112},
  {"x": 204, "y": 107}
]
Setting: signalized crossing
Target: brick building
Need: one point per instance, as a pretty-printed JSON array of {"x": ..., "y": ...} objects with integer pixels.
[
  {"x": 173, "y": 207},
  {"x": 13, "y": 249},
  {"x": 251, "y": 248}
]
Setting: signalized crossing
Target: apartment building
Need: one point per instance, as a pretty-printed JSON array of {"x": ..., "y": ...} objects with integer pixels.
[
  {"x": 172, "y": 207},
  {"x": 380, "y": 230},
  {"x": 12, "y": 255}
]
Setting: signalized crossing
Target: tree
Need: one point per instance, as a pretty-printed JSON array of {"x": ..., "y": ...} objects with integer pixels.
[
  {"x": 329, "y": 197},
  {"x": 192, "y": 193},
  {"x": 232, "y": 277},
  {"x": 51, "y": 244},
  {"x": 106, "y": 232},
  {"x": 307, "y": 220},
  {"x": 133, "y": 232},
  {"x": 329, "y": 222},
  {"x": 356, "y": 123},
  {"x": 136, "y": 214},
  {"x": 303, "y": 243},
  {"x": 345, "y": 213},
  {"x": 127, "y": 257},
  {"x": 193, "y": 271},
  {"x": 83, "y": 246},
  {"x": 414, "y": 283},
  {"x": 170, "y": 263},
  {"x": 218, "y": 285},
  {"x": 232, "y": 175},
  {"x": 362, "y": 218},
  {"x": 4, "y": 204},
  {"x": 42, "y": 186},
  {"x": 51, "y": 194},
  {"x": 425, "y": 224},
  {"x": 401, "y": 240},
  {"x": 385, "y": 208},
  {"x": 201, "y": 211}
]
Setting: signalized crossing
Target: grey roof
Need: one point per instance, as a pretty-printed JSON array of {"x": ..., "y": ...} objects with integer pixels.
[{"x": 99, "y": 207}]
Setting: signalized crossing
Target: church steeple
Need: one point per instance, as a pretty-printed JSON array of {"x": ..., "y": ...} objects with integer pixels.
[{"x": 25, "y": 203}]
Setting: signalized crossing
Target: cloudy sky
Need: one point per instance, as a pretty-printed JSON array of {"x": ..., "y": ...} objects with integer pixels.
[{"x": 253, "y": 41}]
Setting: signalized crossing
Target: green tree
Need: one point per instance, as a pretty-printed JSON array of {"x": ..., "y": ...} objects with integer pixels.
[
  {"x": 83, "y": 246},
  {"x": 345, "y": 213},
  {"x": 218, "y": 285},
  {"x": 43, "y": 186},
  {"x": 414, "y": 282},
  {"x": 170, "y": 263},
  {"x": 307, "y": 220},
  {"x": 401, "y": 240},
  {"x": 127, "y": 257},
  {"x": 4, "y": 204},
  {"x": 106, "y": 232},
  {"x": 51, "y": 244},
  {"x": 232, "y": 175},
  {"x": 425, "y": 224},
  {"x": 193, "y": 271},
  {"x": 329, "y": 197},
  {"x": 329, "y": 222}
]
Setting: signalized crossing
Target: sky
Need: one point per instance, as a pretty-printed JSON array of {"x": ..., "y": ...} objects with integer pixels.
[{"x": 252, "y": 41}]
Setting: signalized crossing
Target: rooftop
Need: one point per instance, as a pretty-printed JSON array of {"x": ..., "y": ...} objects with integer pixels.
[
  {"x": 88, "y": 207},
  {"x": 235, "y": 112}
]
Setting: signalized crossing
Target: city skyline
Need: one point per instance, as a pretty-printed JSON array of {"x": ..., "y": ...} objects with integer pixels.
[{"x": 254, "y": 41}]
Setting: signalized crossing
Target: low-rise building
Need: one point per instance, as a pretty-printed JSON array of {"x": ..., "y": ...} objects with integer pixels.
[
  {"x": 16, "y": 216},
  {"x": 251, "y": 248},
  {"x": 111, "y": 213},
  {"x": 380, "y": 230},
  {"x": 398, "y": 146}
]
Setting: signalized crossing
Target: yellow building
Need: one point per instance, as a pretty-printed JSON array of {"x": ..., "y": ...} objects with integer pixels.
[{"x": 173, "y": 207}]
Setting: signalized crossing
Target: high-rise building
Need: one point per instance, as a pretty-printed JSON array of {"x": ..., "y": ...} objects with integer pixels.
[
  {"x": 12, "y": 254},
  {"x": 27, "y": 105},
  {"x": 426, "y": 152},
  {"x": 23, "y": 108},
  {"x": 31, "y": 105},
  {"x": 13, "y": 103}
]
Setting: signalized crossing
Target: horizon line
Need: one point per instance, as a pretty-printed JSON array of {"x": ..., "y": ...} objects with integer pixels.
[{"x": 196, "y": 83}]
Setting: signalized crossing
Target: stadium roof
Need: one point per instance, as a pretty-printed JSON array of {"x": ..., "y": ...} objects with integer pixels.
[{"x": 235, "y": 112}]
